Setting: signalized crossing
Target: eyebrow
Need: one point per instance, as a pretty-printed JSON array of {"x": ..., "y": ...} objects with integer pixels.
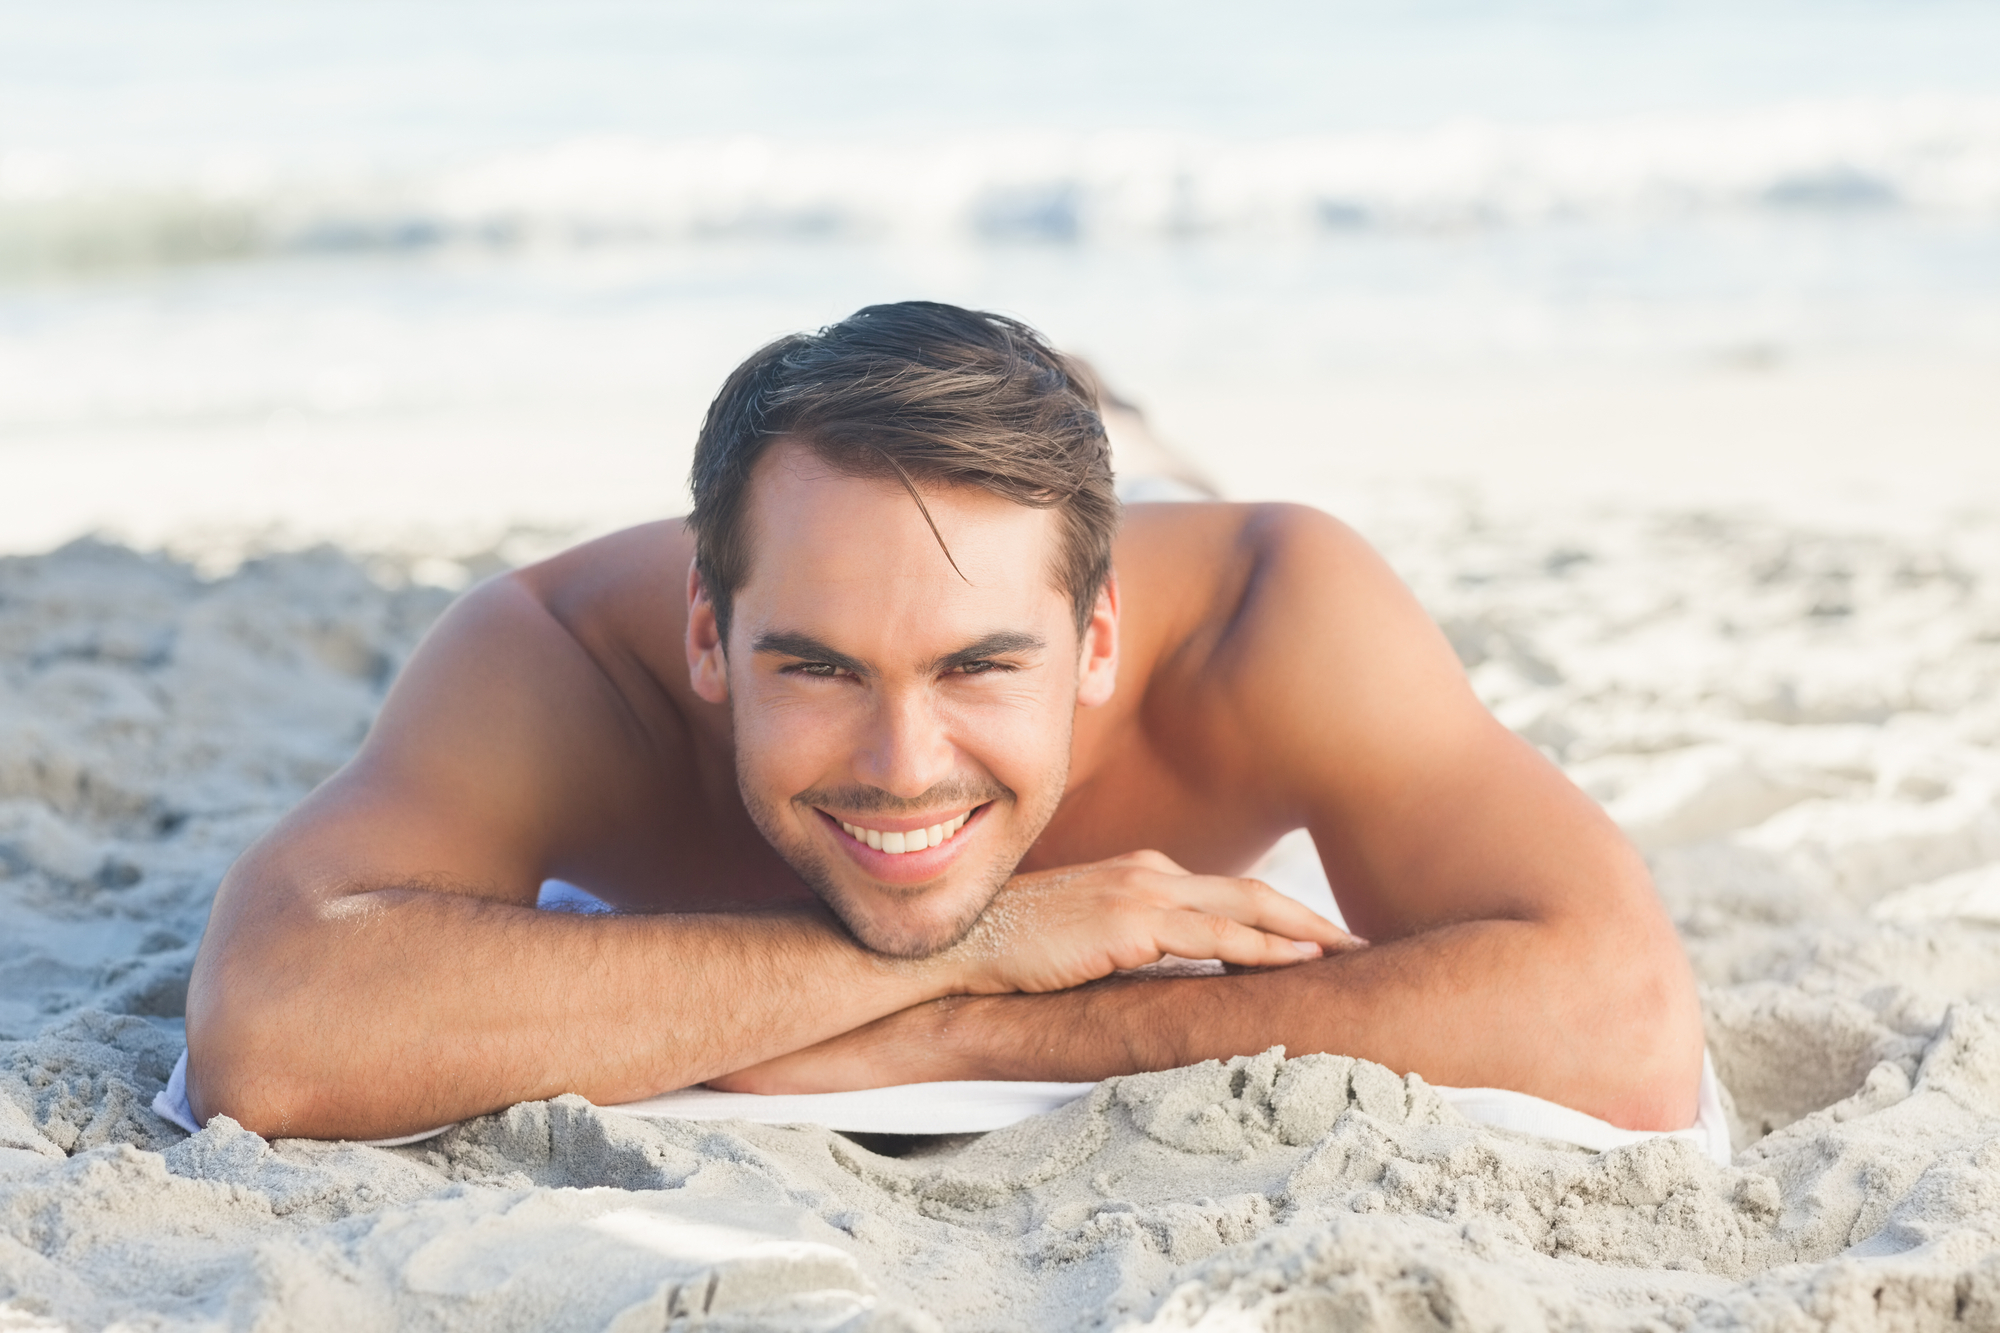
[
  {"x": 997, "y": 644},
  {"x": 790, "y": 643}
]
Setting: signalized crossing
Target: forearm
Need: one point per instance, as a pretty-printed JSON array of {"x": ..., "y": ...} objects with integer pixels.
[
  {"x": 1612, "y": 1031},
  {"x": 392, "y": 1011}
]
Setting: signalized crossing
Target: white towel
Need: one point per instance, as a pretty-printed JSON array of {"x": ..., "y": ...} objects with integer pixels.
[
  {"x": 957, "y": 1108},
  {"x": 975, "y": 1107}
]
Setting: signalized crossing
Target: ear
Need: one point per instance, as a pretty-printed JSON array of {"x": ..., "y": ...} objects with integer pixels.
[
  {"x": 708, "y": 667},
  {"x": 1097, "y": 678}
]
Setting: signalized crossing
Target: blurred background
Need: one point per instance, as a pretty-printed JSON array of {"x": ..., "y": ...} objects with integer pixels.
[{"x": 447, "y": 276}]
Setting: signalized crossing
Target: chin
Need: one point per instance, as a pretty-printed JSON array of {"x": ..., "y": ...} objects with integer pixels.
[
  {"x": 905, "y": 934},
  {"x": 909, "y": 922}
]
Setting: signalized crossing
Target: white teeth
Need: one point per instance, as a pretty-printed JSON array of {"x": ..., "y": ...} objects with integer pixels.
[{"x": 915, "y": 840}]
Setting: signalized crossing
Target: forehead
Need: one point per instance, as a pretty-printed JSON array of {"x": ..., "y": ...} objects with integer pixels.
[{"x": 823, "y": 542}]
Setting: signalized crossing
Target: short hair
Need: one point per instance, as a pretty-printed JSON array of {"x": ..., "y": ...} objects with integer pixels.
[{"x": 908, "y": 392}]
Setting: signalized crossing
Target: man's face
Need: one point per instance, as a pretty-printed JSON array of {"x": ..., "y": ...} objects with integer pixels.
[{"x": 879, "y": 699}]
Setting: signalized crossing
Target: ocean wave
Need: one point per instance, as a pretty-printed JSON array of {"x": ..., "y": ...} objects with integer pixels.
[{"x": 1925, "y": 157}]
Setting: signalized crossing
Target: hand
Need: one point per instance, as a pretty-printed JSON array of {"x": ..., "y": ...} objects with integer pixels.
[{"x": 1055, "y": 929}]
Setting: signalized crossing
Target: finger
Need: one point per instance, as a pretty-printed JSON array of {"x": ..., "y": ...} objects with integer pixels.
[
  {"x": 1281, "y": 914},
  {"x": 1212, "y": 935},
  {"x": 1255, "y": 903},
  {"x": 1148, "y": 859}
]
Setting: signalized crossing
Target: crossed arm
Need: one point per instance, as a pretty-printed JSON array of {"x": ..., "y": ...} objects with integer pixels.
[
  {"x": 1585, "y": 1002},
  {"x": 400, "y": 1009},
  {"x": 1516, "y": 939}
]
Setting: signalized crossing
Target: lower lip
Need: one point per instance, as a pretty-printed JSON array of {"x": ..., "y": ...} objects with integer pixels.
[{"x": 903, "y": 867}]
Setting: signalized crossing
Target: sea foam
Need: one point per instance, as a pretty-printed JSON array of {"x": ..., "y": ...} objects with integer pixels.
[{"x": 1921, "y": 156}]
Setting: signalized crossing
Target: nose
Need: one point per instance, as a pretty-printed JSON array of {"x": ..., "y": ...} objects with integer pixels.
[{"x": 908, "y": 750}]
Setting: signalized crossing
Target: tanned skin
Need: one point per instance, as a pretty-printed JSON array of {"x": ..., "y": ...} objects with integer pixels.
[{"x": 375, "y": 966}]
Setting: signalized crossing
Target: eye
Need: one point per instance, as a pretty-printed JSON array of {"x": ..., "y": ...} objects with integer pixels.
[
  {"x": 981, "y": 668},
  {"x": 824, "y": 670}
]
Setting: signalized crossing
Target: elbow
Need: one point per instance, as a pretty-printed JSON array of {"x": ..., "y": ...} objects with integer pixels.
[
  {"x": 1647, "y": 1036},
  {"x": 1658, "y": 1088},
  {"x": 248, "y": 1067},
  {"x": 278, "y": 1087},
  {"x": 263, "y": 1099},
  {"x": 246, "y": 1058}
]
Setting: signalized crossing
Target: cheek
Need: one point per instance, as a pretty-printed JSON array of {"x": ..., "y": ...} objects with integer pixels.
[
  {"x": 1017, "y": 737},
  {"x": 788, "y": 739}
]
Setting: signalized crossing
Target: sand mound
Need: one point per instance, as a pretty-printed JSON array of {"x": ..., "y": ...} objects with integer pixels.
[{"x": 1799, "y": 728}]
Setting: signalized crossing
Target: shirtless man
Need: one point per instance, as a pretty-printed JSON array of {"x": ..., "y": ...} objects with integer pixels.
[{"x": 905, "y": 614}]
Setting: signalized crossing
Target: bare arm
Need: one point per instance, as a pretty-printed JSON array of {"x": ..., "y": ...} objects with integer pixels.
[
  {"x": 394, "y": 1010},
  {"x": 375, "y": 966},
  {"x": 371, "y": 1014},
  {"x": 1585, "y": 1013},
  {"x": 1521, "y": 942}
]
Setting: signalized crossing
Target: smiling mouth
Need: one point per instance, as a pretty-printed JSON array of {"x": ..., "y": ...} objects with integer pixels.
[{"x": 898, "y": 841}]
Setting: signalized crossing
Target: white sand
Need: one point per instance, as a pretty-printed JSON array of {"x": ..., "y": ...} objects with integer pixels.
[{"x": 1799, "y": 726}]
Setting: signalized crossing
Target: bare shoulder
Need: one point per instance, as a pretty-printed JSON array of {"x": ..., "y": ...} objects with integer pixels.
[
  {"x": 551, "y": 685},
  {"x": 1219, "y": 558},
  {"x": 568, "y": 629},
  {"x": 1290, "y": 637},
  {"x": 1235, "y": 587},
  {"x": 594, "y": 633},
  {"x": 624, "y": 592},
  {"x": 525, "y": 731}
]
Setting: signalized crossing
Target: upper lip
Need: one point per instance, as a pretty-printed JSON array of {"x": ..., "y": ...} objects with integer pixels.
[{"x": 901, "y": 823}]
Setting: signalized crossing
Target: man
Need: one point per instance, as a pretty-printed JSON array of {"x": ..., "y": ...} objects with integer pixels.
[{"x": 930, "y": 752}]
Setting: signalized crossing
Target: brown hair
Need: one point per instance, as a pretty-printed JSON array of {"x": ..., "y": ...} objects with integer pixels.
[{"x": 915, "y": 391}]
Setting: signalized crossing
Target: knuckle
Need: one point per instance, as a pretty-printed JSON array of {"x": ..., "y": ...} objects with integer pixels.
[
  {"x": 1137, "y": 886},
  {"x": 1126, "y": 902},
  {"x": 1217, "y": 925}
]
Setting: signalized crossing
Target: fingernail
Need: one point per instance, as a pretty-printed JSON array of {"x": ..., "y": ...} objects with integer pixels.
[
  {"x": 1308, "y": 948},
  {"x": 1357, "y": 939}
]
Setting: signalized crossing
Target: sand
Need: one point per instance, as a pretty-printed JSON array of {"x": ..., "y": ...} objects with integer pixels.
[{"x": 1797, "y": 724}]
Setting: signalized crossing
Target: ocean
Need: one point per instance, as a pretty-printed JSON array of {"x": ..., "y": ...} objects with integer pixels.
[{"x": 427, "y": 271}]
